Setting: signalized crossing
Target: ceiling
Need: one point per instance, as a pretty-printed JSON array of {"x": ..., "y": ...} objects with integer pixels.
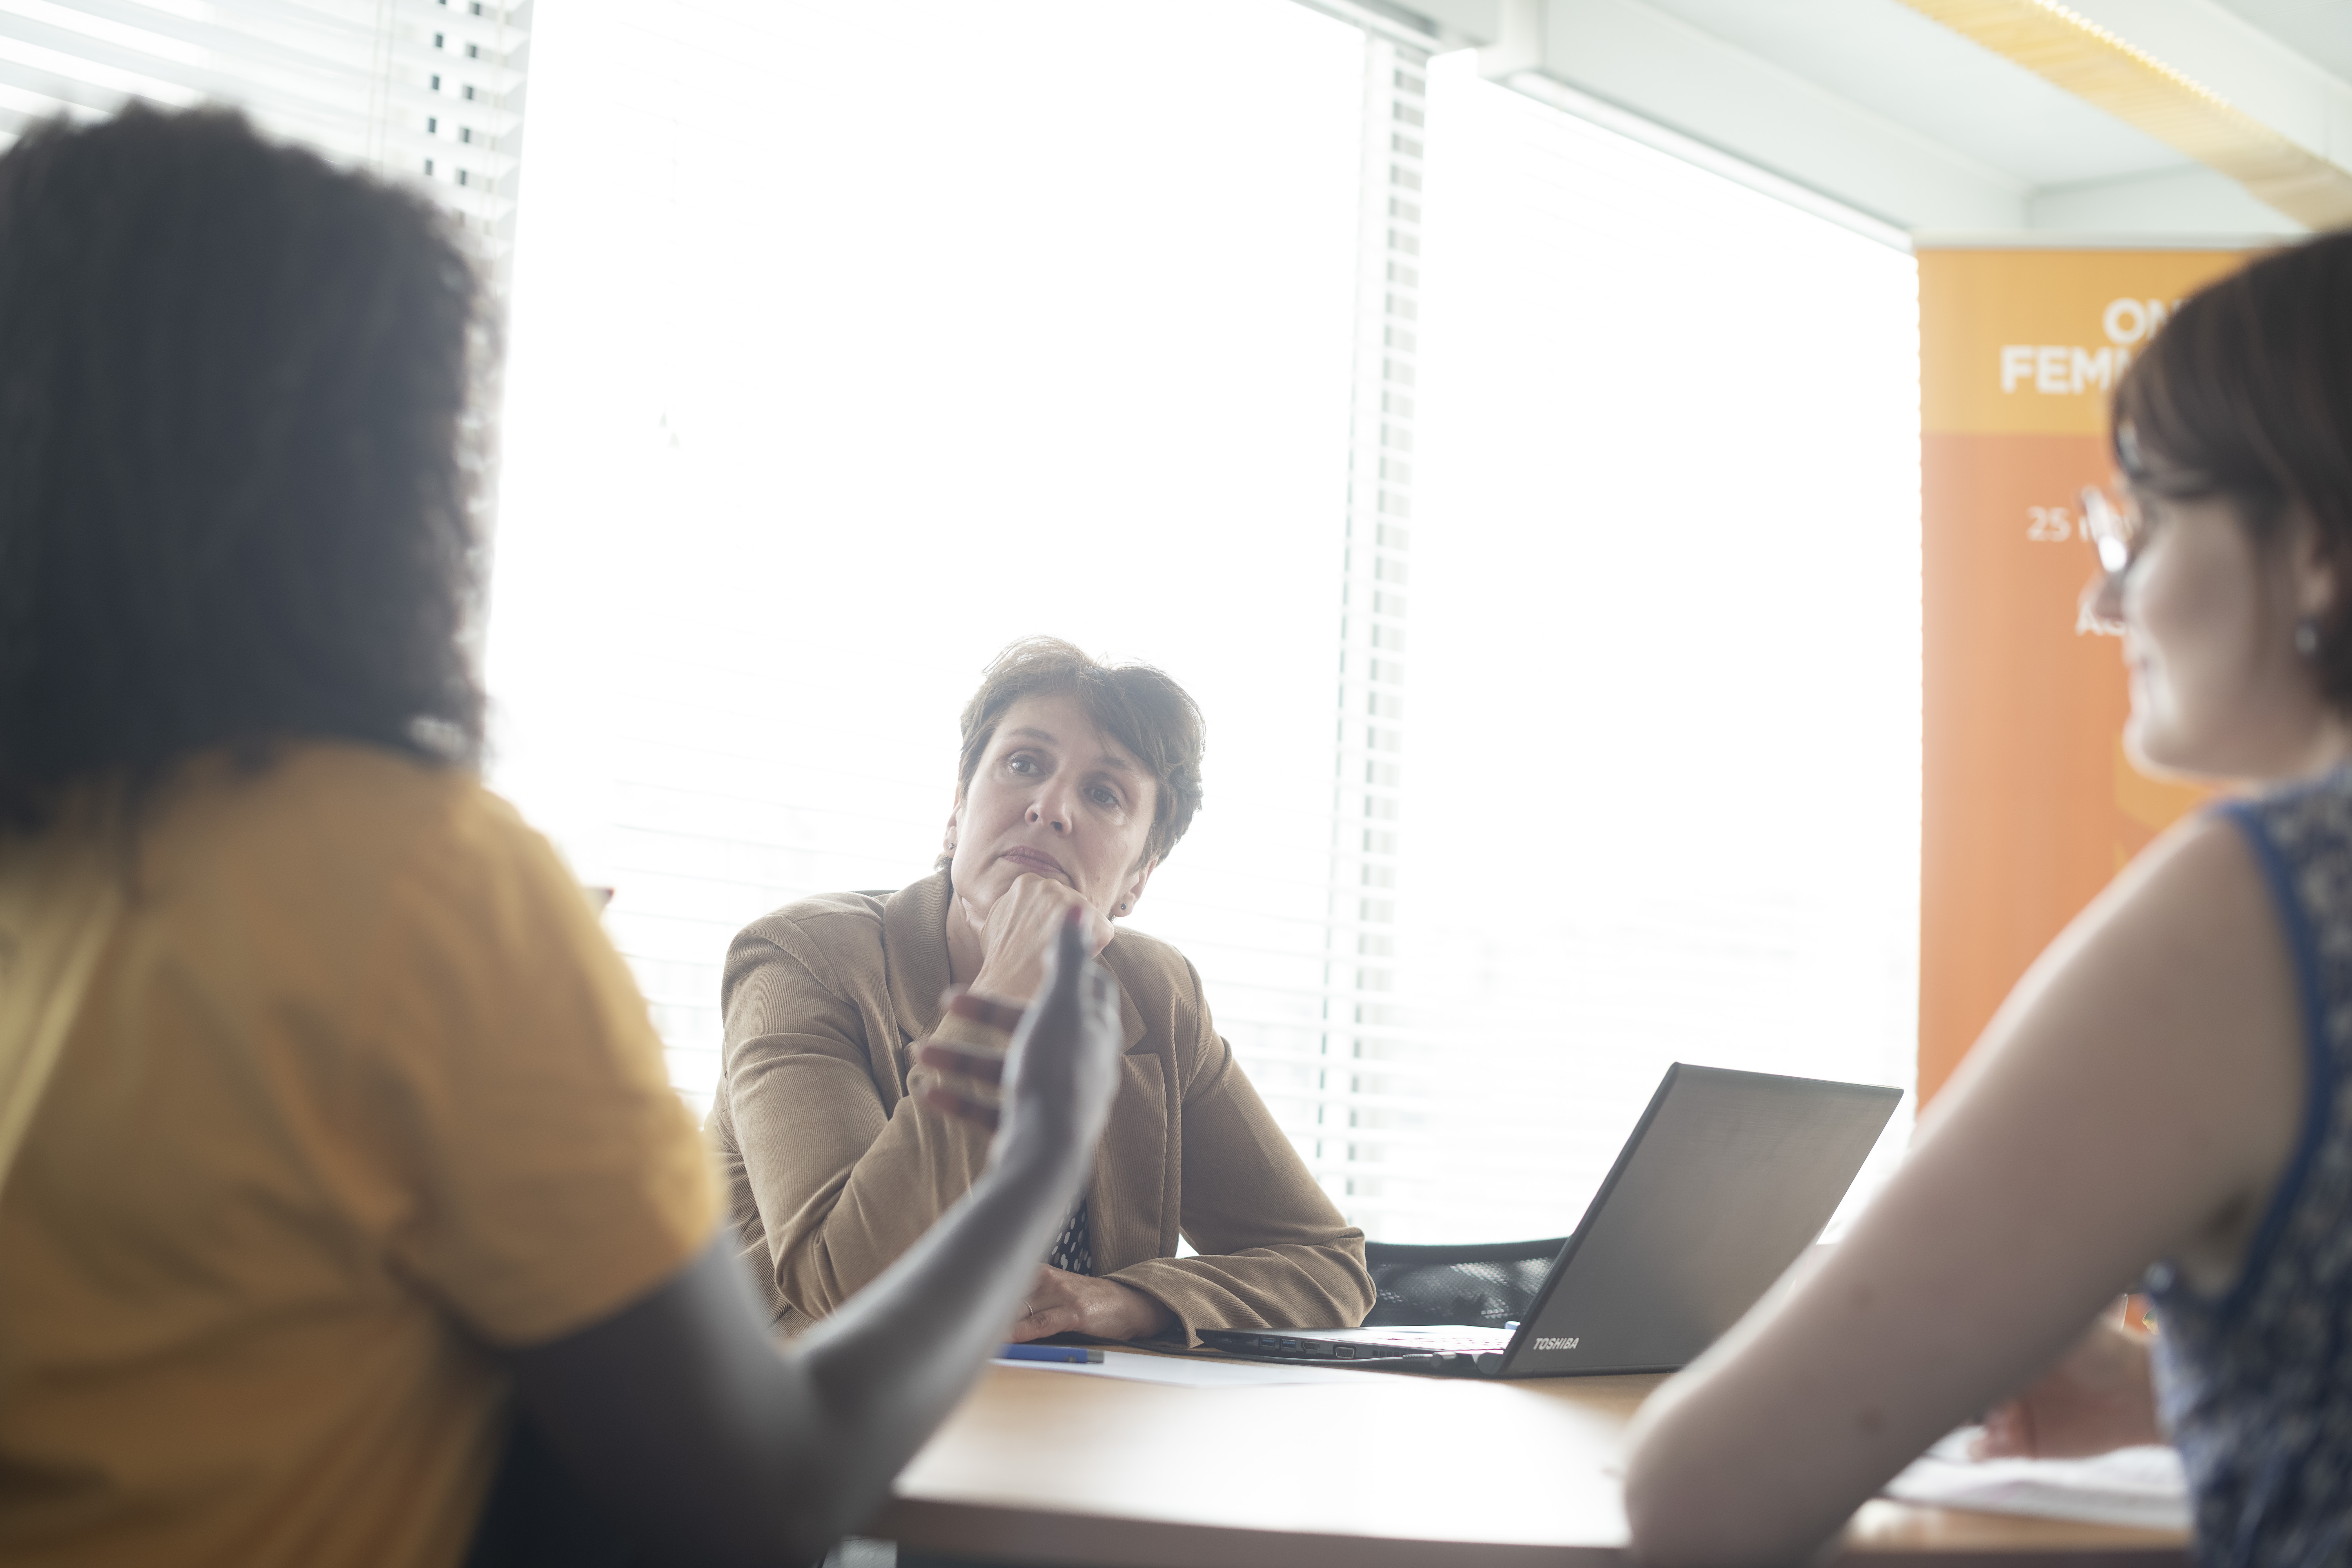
[
  {"x": 2319, "y": 29},
  {"x": 1884, "y": 110}
]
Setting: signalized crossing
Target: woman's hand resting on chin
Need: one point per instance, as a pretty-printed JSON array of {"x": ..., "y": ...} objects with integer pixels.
[
  {"x": 1063, "y": 1303},
  {"x": 1051, "y": 1083},
  {"x": 1019, "y": 928}
]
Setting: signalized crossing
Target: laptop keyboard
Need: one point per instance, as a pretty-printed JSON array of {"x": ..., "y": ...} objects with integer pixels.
[
  {"x": 1446, "y": 1339},
  {"x": 1404, "y": 1342}
]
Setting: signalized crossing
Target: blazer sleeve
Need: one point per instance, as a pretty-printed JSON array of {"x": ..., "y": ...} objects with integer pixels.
[
  {"x": 1274, "y": 1251},
  {"x": 844, "y": 1180}
]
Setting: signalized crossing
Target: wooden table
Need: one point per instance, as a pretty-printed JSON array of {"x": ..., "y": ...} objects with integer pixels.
[{"x": 1044, "y": 1467}]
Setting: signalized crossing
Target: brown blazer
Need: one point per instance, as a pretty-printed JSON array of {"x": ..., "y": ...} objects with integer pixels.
[{"x": 834, "y": 1170}]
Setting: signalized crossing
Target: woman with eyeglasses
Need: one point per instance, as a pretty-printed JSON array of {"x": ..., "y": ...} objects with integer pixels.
[{"x": 2166, "y": 1096}]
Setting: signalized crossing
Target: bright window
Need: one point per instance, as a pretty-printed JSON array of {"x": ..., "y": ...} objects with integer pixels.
[
  {"x": 1663, "y": 778},
  {"x": 1534, "y": 515},
  {"x": 828, "y": 380}
]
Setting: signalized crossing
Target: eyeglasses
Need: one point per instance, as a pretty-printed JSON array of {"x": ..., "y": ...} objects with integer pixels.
[{"x": 2113, "y": 529}]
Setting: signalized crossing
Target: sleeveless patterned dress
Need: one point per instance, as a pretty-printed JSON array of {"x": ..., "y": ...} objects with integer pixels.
[{"x": 2255, "y": 1386}]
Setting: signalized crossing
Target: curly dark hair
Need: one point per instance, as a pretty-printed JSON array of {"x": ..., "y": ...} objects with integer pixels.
[
  {"x": 1139, "y": 706},
  {"x": 2246, "y": 394},
  {"x": 235, "y": 504}
]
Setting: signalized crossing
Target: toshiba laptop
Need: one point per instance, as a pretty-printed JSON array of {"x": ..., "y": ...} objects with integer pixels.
[{"x": 1728, "y": 1178}]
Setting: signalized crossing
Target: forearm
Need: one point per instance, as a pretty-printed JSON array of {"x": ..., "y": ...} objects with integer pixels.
[
  {"x": 689, "y": 1424},
  {"x": 1296, "y": 1287},
  {"x": 889, "y": 1366},
  {"x": 703, "y": 1438},
  {"x": 1694, "y": 1494},
  {"x": 1274, "y": 1250},
  {"x": 1936, "y": 1304}
]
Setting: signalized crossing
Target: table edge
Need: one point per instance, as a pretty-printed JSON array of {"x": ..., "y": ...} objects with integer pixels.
[{"x": 1115, "y": 1541}]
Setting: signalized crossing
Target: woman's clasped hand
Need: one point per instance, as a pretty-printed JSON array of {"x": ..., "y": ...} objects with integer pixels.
[
  {"x": 1015, "y": 927},
  {"x": 1049, "y": 1098}
]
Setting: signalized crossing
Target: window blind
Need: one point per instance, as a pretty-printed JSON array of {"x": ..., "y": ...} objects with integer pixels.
[
  {"x": 429, "y": 91},
  {"x": 896, "y": 368},
  {"x": 966, "y": 338},
  {"x": 1534, "y": 516},
  {"x": 1365, "y": 1087}
]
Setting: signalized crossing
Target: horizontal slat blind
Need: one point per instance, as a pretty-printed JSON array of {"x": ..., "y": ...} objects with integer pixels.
[
  {"x": 1225, "y": 359},
  {"x": 964, "y": 339},
  {"x": 430, "y": 90},
  {"x": 1368, "y": 1088}
]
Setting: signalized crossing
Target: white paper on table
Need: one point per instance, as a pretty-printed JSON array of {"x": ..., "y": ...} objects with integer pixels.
[
  {"x": 1193, "y": 1371},
  {"x": 2141, "y": 1487}
]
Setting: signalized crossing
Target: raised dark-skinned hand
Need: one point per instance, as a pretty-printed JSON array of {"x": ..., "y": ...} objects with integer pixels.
[
  {"x": 1047, "y": 1084},
  {"x": 970, "y": 1088}
]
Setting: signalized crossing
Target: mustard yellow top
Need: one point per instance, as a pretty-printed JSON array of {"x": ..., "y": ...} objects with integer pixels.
[{"x": 359, "y": 1087}]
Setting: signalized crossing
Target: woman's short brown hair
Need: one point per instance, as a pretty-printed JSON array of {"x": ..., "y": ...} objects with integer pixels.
[
  {"x": 1137, "y": 706},
  {"x": 2246, "y": 395}
]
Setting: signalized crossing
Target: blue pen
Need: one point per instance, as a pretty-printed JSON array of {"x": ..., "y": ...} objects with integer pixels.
[{"x": 1077, "y": 1355}]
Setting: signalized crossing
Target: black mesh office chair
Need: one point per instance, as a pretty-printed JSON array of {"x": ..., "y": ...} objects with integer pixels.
[{"x": 1489, "y": 1284}]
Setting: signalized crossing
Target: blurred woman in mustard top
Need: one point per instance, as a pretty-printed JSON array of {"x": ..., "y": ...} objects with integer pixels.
[{"x": 347, "y": 1127}]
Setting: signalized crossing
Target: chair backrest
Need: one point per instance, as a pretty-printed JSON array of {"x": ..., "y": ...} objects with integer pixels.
[{"x": 1487, "y": 1284}]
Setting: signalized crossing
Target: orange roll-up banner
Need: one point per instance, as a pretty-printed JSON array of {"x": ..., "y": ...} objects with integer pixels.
[{"x": 2028, "y": 802}]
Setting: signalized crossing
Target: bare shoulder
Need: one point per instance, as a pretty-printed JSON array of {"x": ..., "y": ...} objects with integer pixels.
[
  {"x": 2188, "y": 936},
  {"x": 2203, "y": 870},
  {"x": 2162, "y": 1034}
]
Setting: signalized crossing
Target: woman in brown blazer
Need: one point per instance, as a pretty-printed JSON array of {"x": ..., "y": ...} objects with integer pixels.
[{"x": 1075, "y": 780}]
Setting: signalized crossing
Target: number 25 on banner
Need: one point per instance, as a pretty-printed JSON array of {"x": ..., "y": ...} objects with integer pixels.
[{"x": 2049, "y": 524}]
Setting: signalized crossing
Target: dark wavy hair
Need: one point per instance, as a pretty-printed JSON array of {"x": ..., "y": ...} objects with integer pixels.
[
  {"x": 2246, "y": 395},
  {"x": 235, "y": 504},
  {"x": 1137, "y": 705}
]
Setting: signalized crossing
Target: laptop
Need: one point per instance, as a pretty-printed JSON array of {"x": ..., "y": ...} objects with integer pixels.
[{"x": 1728, "y": 1178}]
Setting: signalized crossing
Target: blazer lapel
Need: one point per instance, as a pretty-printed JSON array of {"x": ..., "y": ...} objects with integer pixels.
[{"x": 1132, "y": 1201}]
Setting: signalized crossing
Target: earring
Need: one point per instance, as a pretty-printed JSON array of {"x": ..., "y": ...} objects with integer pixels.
[
  {"x": 1122, "y": 906},
  {"x": 2306, "y": 636}
]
